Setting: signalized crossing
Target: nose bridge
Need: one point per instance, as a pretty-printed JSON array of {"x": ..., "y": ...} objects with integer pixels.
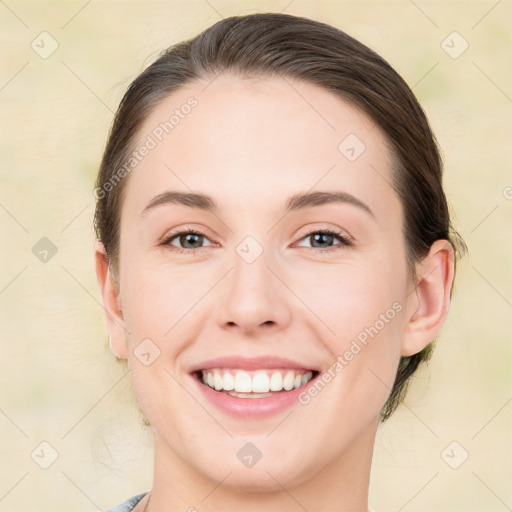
[
  {"x": 250, "y": 272},
  {"x": 253, "y": 296}
]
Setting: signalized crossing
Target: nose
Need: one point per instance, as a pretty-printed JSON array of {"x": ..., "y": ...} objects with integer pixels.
[{"x": 254, "y": 297}]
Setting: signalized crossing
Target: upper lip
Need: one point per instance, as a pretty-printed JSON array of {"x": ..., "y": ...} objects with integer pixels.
[{"x": 252, "y": 363}]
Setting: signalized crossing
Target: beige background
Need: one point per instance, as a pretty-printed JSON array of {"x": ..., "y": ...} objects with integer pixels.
[{"x": 58, "y": 381}]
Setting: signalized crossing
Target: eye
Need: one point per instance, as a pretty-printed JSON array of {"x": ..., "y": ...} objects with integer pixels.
[
  {"x": 189, "y": 238},
  {"x": 326, "y": 236}
]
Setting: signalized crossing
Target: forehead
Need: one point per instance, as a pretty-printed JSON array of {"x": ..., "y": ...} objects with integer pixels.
[{"x": 257, "y": 138}]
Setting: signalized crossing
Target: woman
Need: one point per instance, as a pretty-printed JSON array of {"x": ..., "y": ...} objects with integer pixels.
[{"x": 275, "y": 256}]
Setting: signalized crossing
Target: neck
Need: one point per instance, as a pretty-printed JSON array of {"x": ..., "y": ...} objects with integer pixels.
[{"x": 341, "y": 485}]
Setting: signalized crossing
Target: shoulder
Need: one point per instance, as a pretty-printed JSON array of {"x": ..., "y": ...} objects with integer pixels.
[{"x": 128, "y": 505}]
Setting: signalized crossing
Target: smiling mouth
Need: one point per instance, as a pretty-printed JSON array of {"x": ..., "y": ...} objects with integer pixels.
[{"x": 254, "y": 384}]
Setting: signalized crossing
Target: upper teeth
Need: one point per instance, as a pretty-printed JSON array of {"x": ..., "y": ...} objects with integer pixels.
[{"x": 260, "y": 381}]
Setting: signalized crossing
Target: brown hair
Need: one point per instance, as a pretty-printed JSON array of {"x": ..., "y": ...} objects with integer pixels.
[{"x": 269, "y": 45}]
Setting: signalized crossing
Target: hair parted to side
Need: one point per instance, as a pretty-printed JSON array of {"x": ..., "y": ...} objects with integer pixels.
[{"x": 279, "y": 45}]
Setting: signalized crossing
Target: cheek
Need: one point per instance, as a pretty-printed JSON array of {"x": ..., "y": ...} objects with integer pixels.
[
  {"x": 362, "y": 311},
  {"x": 350, "y": 297},
  {"x": 155, "y": 297}
]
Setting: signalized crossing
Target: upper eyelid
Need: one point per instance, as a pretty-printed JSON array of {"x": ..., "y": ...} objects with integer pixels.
[
  {"x": 341, "y": 235},
  {"x": 335, "y": 231}
]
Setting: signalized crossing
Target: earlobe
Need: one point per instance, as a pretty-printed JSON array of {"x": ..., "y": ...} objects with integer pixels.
[
  {"x": 429, "y": 302},
  {"x": 109, "y": 290}
]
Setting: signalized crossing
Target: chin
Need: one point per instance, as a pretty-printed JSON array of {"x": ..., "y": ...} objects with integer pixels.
[
  {"x": 269, "y": 471},
  {"x": 259, "y": 479}
]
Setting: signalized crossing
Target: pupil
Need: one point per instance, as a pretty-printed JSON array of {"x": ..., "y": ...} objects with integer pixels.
[
  {"x": 188, "y": 236},
  {"x": 318, "y": 237}
]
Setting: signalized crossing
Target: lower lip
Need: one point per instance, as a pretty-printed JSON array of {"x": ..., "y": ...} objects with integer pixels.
[{"x": 252, "y": 408}]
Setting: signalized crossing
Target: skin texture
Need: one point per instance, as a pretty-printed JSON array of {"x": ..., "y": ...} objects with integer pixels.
[{"x": 251, "y": 144}]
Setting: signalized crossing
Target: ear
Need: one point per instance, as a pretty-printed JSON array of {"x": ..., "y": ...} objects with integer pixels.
[
  {"x": 428, "y": 303},
  {"x": 111, "y": 303}
]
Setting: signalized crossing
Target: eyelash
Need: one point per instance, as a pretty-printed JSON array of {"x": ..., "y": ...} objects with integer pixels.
[{"x": 345, "y": 240}]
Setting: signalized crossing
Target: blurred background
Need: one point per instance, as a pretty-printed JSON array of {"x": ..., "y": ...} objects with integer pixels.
[{"x": 71, "y": 436}]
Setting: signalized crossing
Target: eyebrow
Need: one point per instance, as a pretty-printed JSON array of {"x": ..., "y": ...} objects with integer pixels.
[{"x": 296, "y": 202}]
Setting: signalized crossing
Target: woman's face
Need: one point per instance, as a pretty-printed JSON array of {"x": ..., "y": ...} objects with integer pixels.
[{"x": 255, "y": 280}]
